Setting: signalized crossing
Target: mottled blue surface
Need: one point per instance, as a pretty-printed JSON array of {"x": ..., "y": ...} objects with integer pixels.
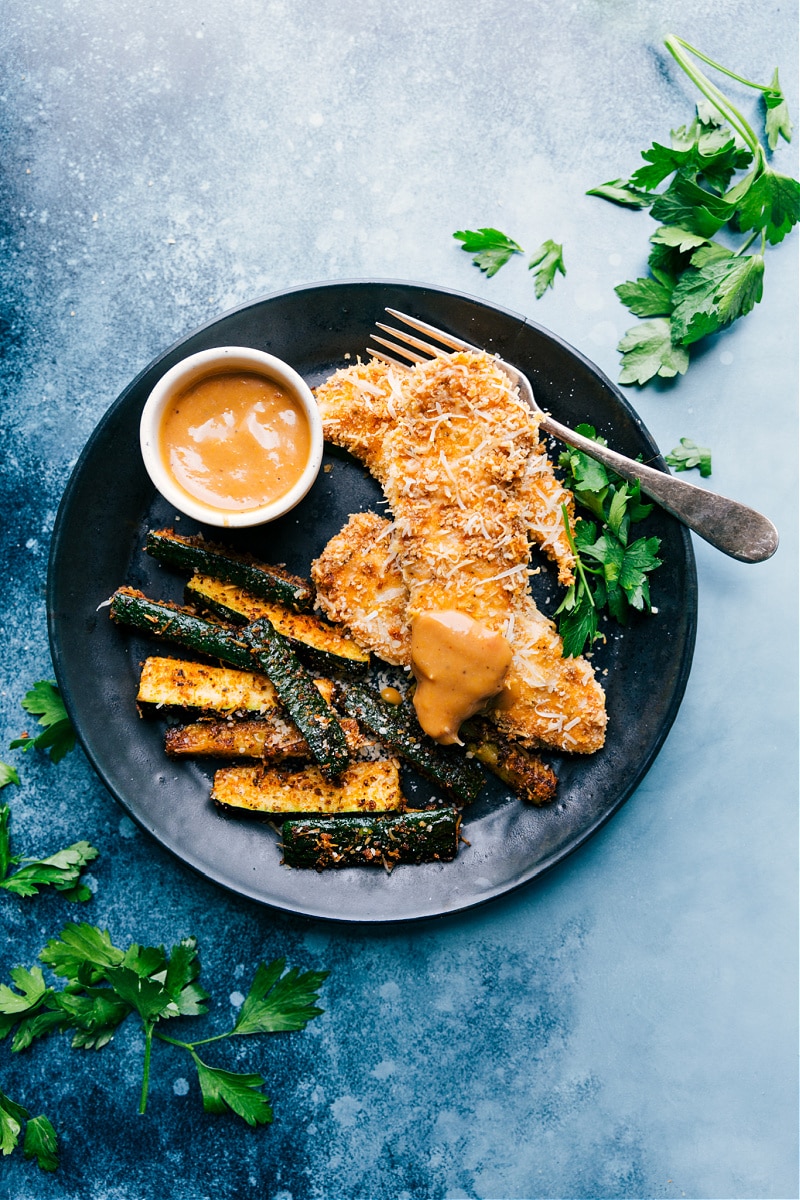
[{"x": 626, "y": 1027}]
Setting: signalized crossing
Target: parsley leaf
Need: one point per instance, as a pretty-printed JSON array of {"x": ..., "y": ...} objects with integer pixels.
[
  {"x": 278, "y": 1002},
  {"x": 648, "y": 350},
  {"x": 82, "y": 954},
  {"x": 11, "y": 1117},
  {"x": 549, "y": 258},
  {"x": 31, "y": 990},
  {"x": 229, "y": 1091},
  {"x": 620, "y": 191},
  {"x": 772, "y": 205},
  {"x": 490, "y": 248},
  {"x": 687, "y": 455},
  {"x": 778, "y": 123},
  {"x": 646, "y": 297},
  {"x": 58, "y": 737},
  {"x": 706, "y": 299},
  {"x": 8, "y": 775},
  {"x": 41, "y": 1143}
]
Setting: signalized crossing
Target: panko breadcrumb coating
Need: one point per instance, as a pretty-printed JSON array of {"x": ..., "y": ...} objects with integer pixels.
[{"x": 359, "y": 406}]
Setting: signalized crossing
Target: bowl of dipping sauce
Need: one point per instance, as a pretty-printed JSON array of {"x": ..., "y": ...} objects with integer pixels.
[{"x": 232, "y": 437}]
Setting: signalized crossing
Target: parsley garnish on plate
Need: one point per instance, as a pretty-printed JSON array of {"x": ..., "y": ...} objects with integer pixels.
[
  {"x": 105, "y": 985},
  {"x": 611, "y": 571},
  {"x": 718, "y": 180},
  {"x": 687, "y": 455},
  {"x": 57, "y": 736}
]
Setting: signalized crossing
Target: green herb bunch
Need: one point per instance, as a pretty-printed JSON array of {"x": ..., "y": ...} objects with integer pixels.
[
  {"x": 610, "y": 570},
  {"x": 719, "y": 180},
  {"x": 105, "y": 985}
]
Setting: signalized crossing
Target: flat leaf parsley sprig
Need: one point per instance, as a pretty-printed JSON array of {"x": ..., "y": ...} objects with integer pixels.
[
  {"x": 698, "y": 285},
  {"x": 610, "y": 570},
  {"x": 106, "y": 984}
]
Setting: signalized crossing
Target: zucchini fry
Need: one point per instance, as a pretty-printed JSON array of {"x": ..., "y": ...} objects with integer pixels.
[
  {"x": 316, "y": 642},
  {"x": 363, "y": 787},
  {"x": 270, "y": 738},
  {"x": 412, "y": 837},
  {"x": 196, "y": 554}
]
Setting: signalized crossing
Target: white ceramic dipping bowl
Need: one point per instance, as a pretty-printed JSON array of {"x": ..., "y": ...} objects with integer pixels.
[{"x": 190, "y": 371}]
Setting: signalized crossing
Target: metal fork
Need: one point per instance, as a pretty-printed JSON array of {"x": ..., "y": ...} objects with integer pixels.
[{"x": 733, "y": 528}]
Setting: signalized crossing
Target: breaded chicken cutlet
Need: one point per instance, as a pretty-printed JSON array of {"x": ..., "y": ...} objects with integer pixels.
[{"x": 455, "y": 450}]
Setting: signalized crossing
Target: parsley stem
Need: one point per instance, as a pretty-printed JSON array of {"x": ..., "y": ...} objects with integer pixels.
[
  {"x": 713, "y": 93},
  {"x": 575, "y": 551},
  {"x": 747, "y": 244},
  {"x": 148, "y": 1046},
  {"x": 760, "y": 87},
  {"x": 188, "y": 1045}
]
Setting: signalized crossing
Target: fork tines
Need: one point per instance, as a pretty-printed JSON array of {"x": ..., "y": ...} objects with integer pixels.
[{"x": 407, "y": 351}]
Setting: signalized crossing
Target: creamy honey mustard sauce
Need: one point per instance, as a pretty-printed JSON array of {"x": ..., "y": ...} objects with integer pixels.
[
  {"x": 458, "y": 664},
  {"x": 235, "y": 440}
]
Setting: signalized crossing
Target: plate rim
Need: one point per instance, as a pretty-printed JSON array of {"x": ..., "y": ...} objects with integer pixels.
[{"x": 542, "y": 866}]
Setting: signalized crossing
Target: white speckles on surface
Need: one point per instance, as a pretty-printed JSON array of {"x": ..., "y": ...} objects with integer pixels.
[
  {"x": 389, "y": 991},
  {"x": 180, "y": 1086},
  {"x": 236, "y": 999},
  {"x": 346, "y": 1110},
  {"x": 384, "y": 1069},
  {"x": 127, "y": 829}
]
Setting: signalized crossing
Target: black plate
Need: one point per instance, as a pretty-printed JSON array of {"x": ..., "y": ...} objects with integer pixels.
[{"x": 109, "y": 503}]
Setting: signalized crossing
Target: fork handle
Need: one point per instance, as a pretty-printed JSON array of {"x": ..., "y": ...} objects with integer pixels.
[{"x": 733, "y": 528}]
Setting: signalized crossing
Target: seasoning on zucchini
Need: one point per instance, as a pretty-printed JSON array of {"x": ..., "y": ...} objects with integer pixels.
[
  {"x": 196, "y": 554},
  {"x": 363, "y": 787},
  {"x": 161, "y": 619},
  {"x": 529, "y": 778},
  {"x": 310, "y": 712},
  {"x": 317, "y": 643},
  {"x": 270, "y": 738},
  {"x": 411, "y": 837},
  {"x": 397, "y": 727}
]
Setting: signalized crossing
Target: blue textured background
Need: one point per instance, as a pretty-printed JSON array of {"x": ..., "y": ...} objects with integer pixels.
[{"x": 626, "y": 1027}]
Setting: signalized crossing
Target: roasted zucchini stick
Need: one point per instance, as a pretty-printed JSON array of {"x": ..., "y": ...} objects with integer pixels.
[
  {"x": 317, "y": 643},
  {"x": 172, "y": 683},
  {"x": 363, "y": 787},
  {"x": 412, "y": 837},
  {"x": 171, "y": 623},
  {"x": 526, "y": 774},
  {"x": 195, "y": 554},
  {"x": 310, "y": 712},
  {"x": 396, "y": 726},
  {"x": 270, "y": 738}
]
